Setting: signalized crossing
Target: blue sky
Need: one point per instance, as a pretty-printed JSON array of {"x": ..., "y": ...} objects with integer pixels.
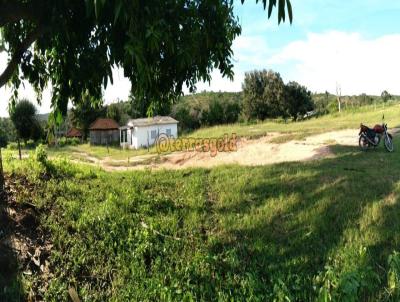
[{"x": 353, "y": 44}]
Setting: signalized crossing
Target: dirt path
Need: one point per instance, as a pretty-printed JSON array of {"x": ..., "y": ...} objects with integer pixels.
[
  {"x": 249, "y": 152},
  {"x": 260, "y": 151}
]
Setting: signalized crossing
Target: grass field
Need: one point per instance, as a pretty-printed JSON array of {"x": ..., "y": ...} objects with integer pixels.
[
  {"x": 326, "y": 230},
  {"x": 298, "y": 130}
]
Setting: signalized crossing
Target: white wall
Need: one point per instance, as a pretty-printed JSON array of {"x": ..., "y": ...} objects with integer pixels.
[{"x": 140, "y": 137}]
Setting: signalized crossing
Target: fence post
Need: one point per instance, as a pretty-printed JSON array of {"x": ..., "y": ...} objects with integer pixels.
[{"x": 1, "y": 173}]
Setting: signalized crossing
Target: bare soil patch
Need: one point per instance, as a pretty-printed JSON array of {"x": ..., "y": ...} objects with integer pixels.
[
  {"x": 24, "y": 245},
  {"x": 251, "y": 152}
]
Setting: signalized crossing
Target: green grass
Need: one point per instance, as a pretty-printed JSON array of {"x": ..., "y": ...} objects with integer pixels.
[
  {"x": 99, "y": 152},
  {"x": 346, "y": 119},
  {"x": 325, "y": 230}
]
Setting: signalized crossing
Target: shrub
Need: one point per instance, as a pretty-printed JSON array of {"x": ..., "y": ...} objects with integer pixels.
[
  {"x": 73, "y": 141},
  {"x": 30, "y": 144},
  {"x": 394, "y": 275},
  {"x": 12, "y": 146},
  {"x": 41, "y": 154}
]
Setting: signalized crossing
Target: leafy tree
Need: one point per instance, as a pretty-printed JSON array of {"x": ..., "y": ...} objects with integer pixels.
[
  {"x": 263, "y": 95},
  {"x": 232, "y": 111},
  {"x": 114, "y": 112},
  {"x": 298, "y": 100},
  {"x": 3, "y": 139},
  {"x": 119, "y": 112},
  {"x": 386, "y": 96},
  {"x": 142, "y": 107},
  {"x": 7, "y": 129},
  {"x": 161, "y": 45},
  {"x": 86, "y": 111},
  {"x": 206, "y": 109},
  {"x": 23, "y": 116},
  {"x": 215, "y": 114}
]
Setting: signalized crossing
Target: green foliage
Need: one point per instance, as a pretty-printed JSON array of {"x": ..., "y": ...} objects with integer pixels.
[
  {"x": 3, "y": 139},
  {"x": 86, "y": 111},
  {"x": 7, "y": 131},
  {"x": 119, "y": 111},
  {"x": 41, "y": 154},
  {"x": 386, "y": 96},
  {"x": 64, "y": 141},
  {"x": 207, "y": 109},
  {"x": 394, "y": 276},
  {"x": 263, "y": 95},
  {"x": 298, "y": 100},
  {"x": 160, "y": 45},
  {"x": 322, "y": 102},
  {"x": 23, "y": 116}
]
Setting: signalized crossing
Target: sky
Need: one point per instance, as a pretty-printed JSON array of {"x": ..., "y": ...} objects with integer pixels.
[{"x": 354, "y": 44}]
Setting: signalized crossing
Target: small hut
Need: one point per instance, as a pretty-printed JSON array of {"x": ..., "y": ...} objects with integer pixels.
[
  {"x": 74, "y": 133},
  {"x": 104, "y": 131}
]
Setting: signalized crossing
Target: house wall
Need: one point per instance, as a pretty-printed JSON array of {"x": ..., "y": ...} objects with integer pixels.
[
  {"x": 104, "y": 137},
  {"x": 140, "y": 137}
]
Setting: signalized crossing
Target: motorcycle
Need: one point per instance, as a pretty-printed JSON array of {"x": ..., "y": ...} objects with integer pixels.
[{"x": 372, "y": 137}]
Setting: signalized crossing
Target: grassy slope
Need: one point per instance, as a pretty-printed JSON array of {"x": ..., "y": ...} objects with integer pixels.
[
  {"x": 289, "y": 232},
  {"x": 347, "y": 119}
]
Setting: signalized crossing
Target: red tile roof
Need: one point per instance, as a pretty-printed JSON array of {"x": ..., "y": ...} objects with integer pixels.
[
  {"x": 73, "y": 132},
  {"x": 104, "y": 124}
]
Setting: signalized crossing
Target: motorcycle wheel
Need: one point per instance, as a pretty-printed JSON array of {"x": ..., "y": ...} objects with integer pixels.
[
  {"x": 389, "y": 143},
  {"x": 363, "y": 143}
]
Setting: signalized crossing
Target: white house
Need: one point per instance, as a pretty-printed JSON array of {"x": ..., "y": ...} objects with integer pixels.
[{"x": 143, "y": 132}]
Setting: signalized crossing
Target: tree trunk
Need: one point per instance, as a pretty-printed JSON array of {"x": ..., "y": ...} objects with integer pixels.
[
  {"x": 19, "y": 149},
  {"x": 1, "y": 174}
]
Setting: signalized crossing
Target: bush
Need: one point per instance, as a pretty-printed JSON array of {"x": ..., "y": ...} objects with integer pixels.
[
  {"x": 64, "y": 141},
  {"x": 30, "y": 144},
  {"x": 12, "y": 146},
  {"x": 41, "y": 154},
  {"x": 74, "y": 141}
]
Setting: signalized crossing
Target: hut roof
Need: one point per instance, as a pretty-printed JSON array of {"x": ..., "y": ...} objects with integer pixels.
[
  {"x": 73, "y": 132},
  {"x": 104, "y": 124}
]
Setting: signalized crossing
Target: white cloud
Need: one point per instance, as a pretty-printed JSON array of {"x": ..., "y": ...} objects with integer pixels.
[
  {"x": 357, "y": 64},
  {"x": 250, "y": 52}
]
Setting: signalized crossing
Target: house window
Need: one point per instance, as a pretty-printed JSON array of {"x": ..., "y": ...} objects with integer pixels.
[
  {"x": 153, "y": 134},
  {"x": 168, "y": 132},
  {"x": 124, "y": 136}
]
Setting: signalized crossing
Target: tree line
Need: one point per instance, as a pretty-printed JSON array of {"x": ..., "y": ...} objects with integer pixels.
[{"x": 264, "y": 96}]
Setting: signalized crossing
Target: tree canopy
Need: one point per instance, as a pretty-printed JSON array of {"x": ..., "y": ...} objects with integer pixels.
[
  {"x": 298, "y": 100},
  {"x": 263, "y": 95},
  {"x": 23, "y": 116},
  {"x": 161, "y": 45}
]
